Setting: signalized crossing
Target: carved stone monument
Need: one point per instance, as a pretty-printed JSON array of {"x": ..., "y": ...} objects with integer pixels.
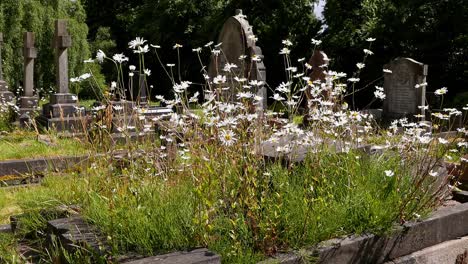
[
  {"x": 318, "y": 61},
  {"x": 405, "y": 87},
  {"x": 62, "y": 111},
  {"x": 238, "y": 47},
  {"x": 28, "y": 102},
  {"x": 5, "y": 94}
]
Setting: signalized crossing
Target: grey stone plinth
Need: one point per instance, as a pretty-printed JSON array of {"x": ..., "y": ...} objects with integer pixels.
[
  {"x": 63, "y": 98},
  {"x": 28, "y": 101},
  {"x": 71, "y": 124},
  {"x": 198, "y": 256},
  {"x": 6, "y": 96},
  {"x": 64, "y": 110}
]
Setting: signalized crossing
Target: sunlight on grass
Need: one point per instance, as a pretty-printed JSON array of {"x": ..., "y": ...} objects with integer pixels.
[{"x": 20, "y": 145}]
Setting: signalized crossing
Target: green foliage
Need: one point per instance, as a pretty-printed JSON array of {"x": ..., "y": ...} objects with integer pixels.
[
  {"x": 432, "y": 32},
  {"x": 194, "y": 23},
  {"x": 38, "y": 16},
  {"x": 241, "y": 208}
]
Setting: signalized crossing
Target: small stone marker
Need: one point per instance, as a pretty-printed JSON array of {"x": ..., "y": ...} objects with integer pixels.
[
  {"x": 28, "y": 102},
  {"x": 238, "y": 47},
  {"x": 405, "y": 88},
  {"x": 142, "y": 97},
  {"x": 5, "y": 94}
]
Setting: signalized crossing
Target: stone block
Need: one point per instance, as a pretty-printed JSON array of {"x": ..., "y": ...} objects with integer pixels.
[
  {"x": 197, "y": 256},
  {"x": 5, "y": 229},
  {"x": 444, "y": 253},
  {"x": 64, "y": 110},
  {"x": 28, "y": 101},
  {"x": 63, "y": 98},
  {"x": 74, "y": 232},
  {"x": 71, "y": 124}
]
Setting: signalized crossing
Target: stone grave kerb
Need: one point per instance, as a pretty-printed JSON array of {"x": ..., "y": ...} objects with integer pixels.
[
  {"x": 405, "y": 88},
  {"x": 5, "y": 94}
]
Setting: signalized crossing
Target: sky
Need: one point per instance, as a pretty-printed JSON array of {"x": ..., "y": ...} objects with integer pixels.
[{"x": 318, "y": 9}]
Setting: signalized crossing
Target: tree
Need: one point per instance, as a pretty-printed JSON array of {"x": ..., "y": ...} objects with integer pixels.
[
  {"x": 194, "y": 23},
  {"x": 431, "y": 31},
  {"x": 19, "y": 16}
]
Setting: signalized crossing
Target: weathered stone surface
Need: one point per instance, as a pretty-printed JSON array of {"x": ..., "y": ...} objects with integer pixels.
[
  {"x": 62, "y": 42},
  {"x": 28, "y": 102},
  {"x": 23, "y": 166},
  {"x": 197, "y": 256},
  {"x": 5, "y": 229},
  {"x": 142, "y": 95},
  {"x": 70, "y": 124},
  {"x": 444, "y": 253},
  {"x": 63, "y": 98},
  {"x": 446, "y": 224},
  {"x": 238, "y": 47},
  {"x": 74, "y": 231},
  {"x": 405, "y": 88}
]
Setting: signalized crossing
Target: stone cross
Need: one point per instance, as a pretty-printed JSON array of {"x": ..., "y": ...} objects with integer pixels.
[
  {"x": 1, "y": 67},
  {"x": 405, "y": 87},
  {"x": 5, "y": 95},
  {"x": 62, "y": 42},
  {"x": 29, "y": 54}
]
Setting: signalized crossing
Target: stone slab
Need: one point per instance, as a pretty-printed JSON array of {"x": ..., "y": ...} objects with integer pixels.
[
  {"x": 75, "y": 231},
  {"x": 23, "y": 166},
  {"x": 197, "y": 256},
  {"x": 63, "y": 98},
  {"x": 443, "y": 253},
  {"x": 447, "y": 223},
  {"x": 71, "y": 124},
  {"x": 5, "y": 229}
]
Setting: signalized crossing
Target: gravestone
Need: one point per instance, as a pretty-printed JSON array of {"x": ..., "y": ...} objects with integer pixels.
[
  {"x": 318, "y": 61},
  {"x": 258, "y": 72},
  {"x": 28, "y": 102},
  {"x": 405, "y": 88},
  {"x": 237, "y": 41},
  {"x": 142, "y": 97},
  {"x": 5, "y": 95},
  {"x": 62, "y": 112}
]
